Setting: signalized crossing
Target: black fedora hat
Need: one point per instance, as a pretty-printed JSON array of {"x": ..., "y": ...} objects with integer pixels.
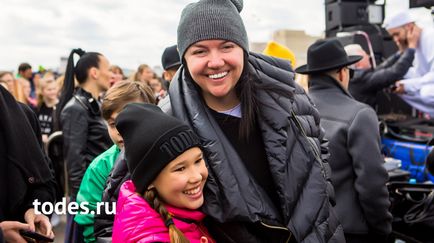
[{"x": 324, "y": 55}]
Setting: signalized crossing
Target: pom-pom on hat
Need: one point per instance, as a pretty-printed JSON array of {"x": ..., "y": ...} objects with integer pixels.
[
  {"x": 152, "y": 140},
  {"x": 212, "y": 19}
]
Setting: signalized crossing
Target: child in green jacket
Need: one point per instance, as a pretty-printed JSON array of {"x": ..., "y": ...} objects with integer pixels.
[{"x": 94, "y": 180}]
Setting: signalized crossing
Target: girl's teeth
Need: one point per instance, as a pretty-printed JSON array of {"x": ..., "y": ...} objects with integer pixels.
[
  {"x": 193, "y": 191},
  {"x": 218, "y": 75}
]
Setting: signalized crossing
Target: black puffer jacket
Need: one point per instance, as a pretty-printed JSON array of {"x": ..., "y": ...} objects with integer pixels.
[
  {"x": 85, "y": 135},
  {"x": 294, "y": 153}
]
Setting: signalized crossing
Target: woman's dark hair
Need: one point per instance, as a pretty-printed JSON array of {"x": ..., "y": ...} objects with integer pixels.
[
  {"x": 86, "y": 62},
  {"x": 80, "y": 72},
  {"x": 176, "y": 236}
]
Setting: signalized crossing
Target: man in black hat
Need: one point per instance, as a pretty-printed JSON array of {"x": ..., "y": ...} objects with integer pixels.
[
  {"x": 359, "y": 179},
  {"x": 171, "y": 62}
]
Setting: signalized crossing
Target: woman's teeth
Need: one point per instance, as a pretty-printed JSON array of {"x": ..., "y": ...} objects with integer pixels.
[{"x": 218, "y": 75}]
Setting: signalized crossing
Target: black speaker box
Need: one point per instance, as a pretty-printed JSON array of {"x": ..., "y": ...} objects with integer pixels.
[{"x": 340, "y": 14}]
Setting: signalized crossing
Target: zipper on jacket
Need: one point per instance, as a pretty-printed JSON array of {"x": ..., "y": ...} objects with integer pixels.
[{"x": 278, "y": 228}]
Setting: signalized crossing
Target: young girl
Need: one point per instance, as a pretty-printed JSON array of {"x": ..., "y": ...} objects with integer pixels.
[
  {"x": 94, "y": 180},
  {"x": 47, "y": 100},
  {"x": 168, "y": 174}
]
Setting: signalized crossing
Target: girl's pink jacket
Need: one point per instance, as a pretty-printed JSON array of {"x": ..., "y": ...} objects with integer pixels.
[{"x": 136, "y": 221}]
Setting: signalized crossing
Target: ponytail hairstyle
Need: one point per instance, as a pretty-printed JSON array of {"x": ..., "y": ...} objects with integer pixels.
[
  {"x": 87, "y": 61},
  {"x": 176, "y": 236}
]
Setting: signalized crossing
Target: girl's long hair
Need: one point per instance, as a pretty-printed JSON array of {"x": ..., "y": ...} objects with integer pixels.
[{"x": 176, "y": 236}]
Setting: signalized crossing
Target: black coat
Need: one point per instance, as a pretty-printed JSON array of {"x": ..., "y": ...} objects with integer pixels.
[
  {"x": 240, "y": 209},
  {"x": 85, "y": 135},
  {"x": 359, "y": 179},
  {"x": 25, "y": 173},
  {"x": 365, "y": 84}
]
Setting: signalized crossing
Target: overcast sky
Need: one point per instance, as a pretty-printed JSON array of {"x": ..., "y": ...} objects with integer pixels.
[{"x": 131, "y": 32}]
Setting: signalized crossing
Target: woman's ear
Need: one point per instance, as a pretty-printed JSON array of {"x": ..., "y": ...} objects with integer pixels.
[{"x": 93, "y": 72}]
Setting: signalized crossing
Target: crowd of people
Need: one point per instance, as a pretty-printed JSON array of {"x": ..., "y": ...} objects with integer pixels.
[{"x": 225, "y": 146}]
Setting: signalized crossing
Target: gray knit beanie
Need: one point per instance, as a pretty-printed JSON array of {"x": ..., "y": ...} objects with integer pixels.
[{"x": 212, "y": 19}]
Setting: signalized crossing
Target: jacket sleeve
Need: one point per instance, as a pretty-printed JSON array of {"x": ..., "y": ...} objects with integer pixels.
[
  {"x": 389, "y": 61},
  {"x": 74, "y": 126},
  {"x": 370, "y": 175},
  {"x": 414, "y": 81},
  {"x": 387, "y": 74},
  {"x": 91, "y": 189}
]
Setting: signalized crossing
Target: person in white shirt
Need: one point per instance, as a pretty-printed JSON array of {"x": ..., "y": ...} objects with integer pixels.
[{"x": 417, "y": 87}]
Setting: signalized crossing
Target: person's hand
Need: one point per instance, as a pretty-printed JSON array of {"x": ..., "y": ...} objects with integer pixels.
[
  {"x": 11, "y": 231},
  {"x": 413, "y": 35},
  {"x": 39, "y": 223},
  {"x": 399, "y": 88}
]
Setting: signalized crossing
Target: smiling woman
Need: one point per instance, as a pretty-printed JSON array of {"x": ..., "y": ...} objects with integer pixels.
[{"x": 259, "y": 131}]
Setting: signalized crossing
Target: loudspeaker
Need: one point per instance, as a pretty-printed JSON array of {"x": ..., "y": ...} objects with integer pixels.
[
  {"x": 421, "y": 3},
  {"x": 341, "y": 14}
]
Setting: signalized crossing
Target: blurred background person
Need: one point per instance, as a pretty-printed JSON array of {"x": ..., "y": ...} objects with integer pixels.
[
  {"x": 417, "y": 86},
  {"x": 170, "y": 62},
  {"x": 144, "y": 73},
  {"x": 12, "y": 85},
  {"x": 367, "y": 81},
  {"x": 118, "y": 74},
  {"x": 25, "y": 72},
  {"x": 27, "y": 90},
  {"x": 156, "y": 84},
  {"x": 47, "y": 101}
]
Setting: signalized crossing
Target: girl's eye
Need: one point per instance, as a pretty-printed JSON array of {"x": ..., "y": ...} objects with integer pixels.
[
  {"x": 198, "y": 161},
  {"x": 180, "y": 169}
]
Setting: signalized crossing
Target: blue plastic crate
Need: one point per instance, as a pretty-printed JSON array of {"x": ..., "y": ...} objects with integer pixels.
[{"x": 412, "y": 156}]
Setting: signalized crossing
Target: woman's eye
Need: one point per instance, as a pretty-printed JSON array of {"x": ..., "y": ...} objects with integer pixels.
[
  {"x": 198, "y": 161},
  {"x": 198, "y": 52},
  {"x": 228, "y": 46}
]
